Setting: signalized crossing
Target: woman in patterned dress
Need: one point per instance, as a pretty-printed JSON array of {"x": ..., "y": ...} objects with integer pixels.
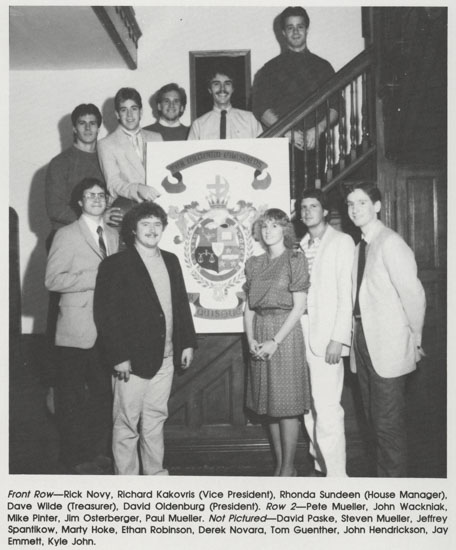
[{"x": 278, "y": 382}]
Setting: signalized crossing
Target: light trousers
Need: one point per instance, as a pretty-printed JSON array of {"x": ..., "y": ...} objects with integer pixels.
[
  {"x": 139, "y": 413},
  {"x": 325, "y": 421}
]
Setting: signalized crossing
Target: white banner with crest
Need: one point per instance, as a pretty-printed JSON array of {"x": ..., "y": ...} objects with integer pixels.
[{"x": 213, "y": 191}]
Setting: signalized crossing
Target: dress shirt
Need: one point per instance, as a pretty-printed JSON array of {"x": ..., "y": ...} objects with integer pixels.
[
  {"x": 310, "y": 245},
  {"x": 239, "y": 124},
  {"x": 93, "y": 226},
  {"x": 137, "y": 142}
]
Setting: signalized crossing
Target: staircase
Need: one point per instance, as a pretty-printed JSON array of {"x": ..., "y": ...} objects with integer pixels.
[{"x": 350, "y": 142}]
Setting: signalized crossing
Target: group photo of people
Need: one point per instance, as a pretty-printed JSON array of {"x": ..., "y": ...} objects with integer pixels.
[{"x": 335, "y": 304}]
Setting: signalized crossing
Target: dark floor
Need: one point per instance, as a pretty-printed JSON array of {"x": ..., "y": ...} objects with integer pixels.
[{"x": 34, "y": 440}]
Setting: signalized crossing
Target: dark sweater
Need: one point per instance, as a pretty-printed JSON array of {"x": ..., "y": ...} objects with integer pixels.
[
  {"x": 65, "y": 171},
  {"x": 168, "y": 133}
]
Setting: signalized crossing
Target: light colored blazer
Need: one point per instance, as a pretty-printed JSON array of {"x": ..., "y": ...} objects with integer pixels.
[
  {"x": 392, "y": 303},
  {"x": 329, "y": 301},
  {"x": 71, "y": 270},
  {"x": 121, "y": 166}
]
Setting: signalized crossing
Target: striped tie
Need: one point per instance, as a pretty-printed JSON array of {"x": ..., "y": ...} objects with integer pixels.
[{"x": 101, "y": 242}]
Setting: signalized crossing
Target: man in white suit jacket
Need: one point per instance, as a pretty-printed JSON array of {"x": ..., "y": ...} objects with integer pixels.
[
  {"x": 327, "y": 327},
  {"x": 389, "y": 314},
  {"x": 122, "y": 154},
  {"x": 83, "y": 388}
]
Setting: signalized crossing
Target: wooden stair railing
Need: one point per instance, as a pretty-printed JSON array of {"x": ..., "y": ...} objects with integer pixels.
[{"x": 349, "y": 142}]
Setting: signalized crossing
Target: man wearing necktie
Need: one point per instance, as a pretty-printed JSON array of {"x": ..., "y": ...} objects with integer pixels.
[
  {"x": 224, "y": 121},
  {"x": 83, "y": 389},
  {"x": 388, "y": 315},
  {"x": 122, "y": 154}
]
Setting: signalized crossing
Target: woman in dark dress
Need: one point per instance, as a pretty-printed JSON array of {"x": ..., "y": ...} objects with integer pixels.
[{"x": 278, "y": 382}]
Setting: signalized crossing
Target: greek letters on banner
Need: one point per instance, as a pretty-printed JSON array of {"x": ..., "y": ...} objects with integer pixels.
[{"x": 213, "y": 191}]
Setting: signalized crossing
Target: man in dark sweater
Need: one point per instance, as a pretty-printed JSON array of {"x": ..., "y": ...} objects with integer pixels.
[
  {"x": 73, "y": 165},
  {"x": 171, "y": 101},
  {"x": 290, "y": 78}
]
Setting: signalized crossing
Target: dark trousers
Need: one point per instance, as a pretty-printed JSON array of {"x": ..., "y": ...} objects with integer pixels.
[
  {"x": 385, "y": 410},
  {"x": 49, "y": 368},
  {"x": 83, "y": 405}
]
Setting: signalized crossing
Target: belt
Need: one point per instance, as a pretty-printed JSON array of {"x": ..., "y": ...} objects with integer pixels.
[
  {"x": 272, "y": 311},
  {"x": 357, "y": 317}
]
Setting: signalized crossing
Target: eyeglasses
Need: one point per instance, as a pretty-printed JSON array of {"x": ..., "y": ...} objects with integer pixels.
[{"x": 90, "y": 195}]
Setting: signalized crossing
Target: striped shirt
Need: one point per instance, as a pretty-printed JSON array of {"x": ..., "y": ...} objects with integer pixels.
[{"x": 310, "y": 250}]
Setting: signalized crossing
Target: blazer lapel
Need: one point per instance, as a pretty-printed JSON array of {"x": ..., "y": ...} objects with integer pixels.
[
  {"x": 142, "y": 274},
  {"x": 88, "y": 237}
]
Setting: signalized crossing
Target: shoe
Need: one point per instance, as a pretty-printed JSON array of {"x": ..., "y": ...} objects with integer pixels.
[
  {"x": 88, "y": 468},
  {"x": 105, "y": 463}
]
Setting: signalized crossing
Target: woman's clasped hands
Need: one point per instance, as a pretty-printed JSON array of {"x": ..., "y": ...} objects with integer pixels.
[{"x": 262, "y": 351}]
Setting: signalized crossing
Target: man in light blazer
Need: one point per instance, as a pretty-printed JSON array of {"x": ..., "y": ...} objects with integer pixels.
[
  {"x": 327, "y": 327},
  {"x": 389, "y": 309},
  {"x": 122, "y": 154},
  {"x": 83, "y": 390}
]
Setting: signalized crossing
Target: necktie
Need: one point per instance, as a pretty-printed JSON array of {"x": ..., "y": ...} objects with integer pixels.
[
  {"x": 223, "y": 124},
  {"x": 101, "y": 242},
  {"x": 137, "y": 145},
  {"x": 361, "y": 264}
]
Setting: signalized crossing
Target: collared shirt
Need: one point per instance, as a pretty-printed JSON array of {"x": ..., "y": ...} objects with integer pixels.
[
  {"x": 137, "y": 142},
  {"x": 310, "y": 247},
  {"x": 373, "y": 229},
  {"x": 93, "y": 226},
  {"x": 239, "y": 124}
]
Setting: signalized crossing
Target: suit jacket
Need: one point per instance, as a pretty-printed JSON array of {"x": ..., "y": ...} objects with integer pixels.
[
  {"x": 392, "y": 303},
  {"x": 329, "y": 301},
  {"x": 121, "y": 166},
  {"x": 71, "y": 270},
  {"x": 129, "y": 316}
]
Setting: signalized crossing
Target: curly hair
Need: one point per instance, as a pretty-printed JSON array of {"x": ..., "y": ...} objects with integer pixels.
[
  {"x": 281, "y": 218},
  {"x": 139, "y": 212}
]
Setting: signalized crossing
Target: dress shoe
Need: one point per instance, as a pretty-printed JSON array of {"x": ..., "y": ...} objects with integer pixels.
[{"x": 105, "y": 463}]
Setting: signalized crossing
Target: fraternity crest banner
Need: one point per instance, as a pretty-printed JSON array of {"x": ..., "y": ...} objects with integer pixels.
[{"x": 212, "y": 192}]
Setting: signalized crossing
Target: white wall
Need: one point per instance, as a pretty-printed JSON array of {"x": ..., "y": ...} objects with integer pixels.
[{"x": 41, "y": 101}]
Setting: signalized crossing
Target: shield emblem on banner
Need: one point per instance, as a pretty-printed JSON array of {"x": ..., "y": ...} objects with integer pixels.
[{"x": 218, "y": 247}]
